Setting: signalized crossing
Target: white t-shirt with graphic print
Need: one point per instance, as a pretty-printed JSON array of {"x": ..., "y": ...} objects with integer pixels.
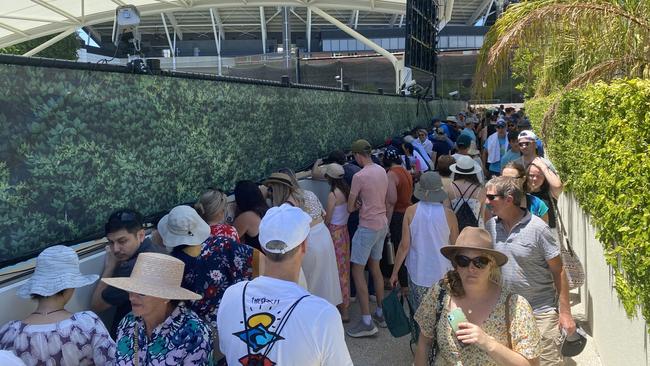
[{"x": 310, "y": 334}]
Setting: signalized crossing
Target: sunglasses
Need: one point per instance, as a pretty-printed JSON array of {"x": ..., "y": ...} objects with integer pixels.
[
  {"x": 479, "y": 262},
  {"x": 492, "y": 197},
  {"x": 524, "y": 144}
]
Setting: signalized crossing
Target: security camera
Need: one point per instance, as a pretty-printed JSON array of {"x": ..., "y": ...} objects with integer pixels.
[{"x": 125, "y": 26}]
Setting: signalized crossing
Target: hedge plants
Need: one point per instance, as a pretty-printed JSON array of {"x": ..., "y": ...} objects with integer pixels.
[
  {"x": 599, "y": 139},
  {"x": 77, "y": 144}
]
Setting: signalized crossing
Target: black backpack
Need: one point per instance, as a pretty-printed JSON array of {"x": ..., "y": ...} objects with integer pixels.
[{"x": 463, "y": 211}]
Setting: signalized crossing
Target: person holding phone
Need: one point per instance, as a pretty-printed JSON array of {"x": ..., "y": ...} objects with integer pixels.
[{"x": 475, "y": 321}]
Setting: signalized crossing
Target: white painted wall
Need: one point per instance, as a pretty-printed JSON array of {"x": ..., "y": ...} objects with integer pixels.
[{"x": 619, "y": 340}]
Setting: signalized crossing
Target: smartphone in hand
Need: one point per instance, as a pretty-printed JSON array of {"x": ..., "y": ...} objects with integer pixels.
[{"x": 456, "y": 317}]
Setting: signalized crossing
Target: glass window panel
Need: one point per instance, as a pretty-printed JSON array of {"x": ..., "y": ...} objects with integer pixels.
[
  {"x": 479, "y": 41},
  {"x": 443, "y": 42},
  {"x": 462, "y": 41},
  {"x": 402, "y": 43},
  {"x": 327, "y": 45},
  {"x": 453, "y": 42}
]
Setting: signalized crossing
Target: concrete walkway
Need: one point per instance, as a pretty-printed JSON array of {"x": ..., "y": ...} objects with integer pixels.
[{"x": 383, "y": 349}]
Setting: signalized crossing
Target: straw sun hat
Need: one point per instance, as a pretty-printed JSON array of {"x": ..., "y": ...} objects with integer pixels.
[
  {"x": 57, "y": 268},
  {"x": 477, "y": 239},
  {"x": 157, "y": 275}
]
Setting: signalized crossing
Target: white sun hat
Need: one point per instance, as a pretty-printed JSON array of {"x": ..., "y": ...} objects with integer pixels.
[
  {"x": 57, "y": 268},
  {"x": 183, "y": 226}
]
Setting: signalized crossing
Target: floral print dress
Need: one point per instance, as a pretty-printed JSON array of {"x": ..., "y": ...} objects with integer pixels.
[
  {"x": 182, "y": 339},
  {"x": 523, "y": 330},
  {"x": 81, "y": 339},
  {"x": 222, "y": 263}
]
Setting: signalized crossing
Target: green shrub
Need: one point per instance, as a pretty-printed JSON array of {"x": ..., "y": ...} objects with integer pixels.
[
  {"x": 76, "y": 145},
  {"x": 599, "y": 140}
]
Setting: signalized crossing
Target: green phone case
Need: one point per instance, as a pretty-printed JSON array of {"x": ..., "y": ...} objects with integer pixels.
[{"x": 456, "y": 317}]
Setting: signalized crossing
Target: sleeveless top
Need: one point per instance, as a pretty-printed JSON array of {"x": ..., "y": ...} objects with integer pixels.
[
  {"x": 340, "y": 215},
  {"x": 429, "y": 232},
  {"x": 404, "y": 188}
]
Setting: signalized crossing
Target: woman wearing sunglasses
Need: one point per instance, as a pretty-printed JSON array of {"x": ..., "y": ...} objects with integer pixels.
[{"x": 475, "y": 321}]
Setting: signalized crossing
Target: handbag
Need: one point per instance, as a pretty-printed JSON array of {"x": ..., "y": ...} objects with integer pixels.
[
  {"x": 573, "y": 268},
  {"x": 396, "y": 320}
]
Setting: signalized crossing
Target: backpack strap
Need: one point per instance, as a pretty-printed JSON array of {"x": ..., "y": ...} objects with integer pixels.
[
  {"x": 462, "y": 195},
  {"x": 508, "y": 320}
]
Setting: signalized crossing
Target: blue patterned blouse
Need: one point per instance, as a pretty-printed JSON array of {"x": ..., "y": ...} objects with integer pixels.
[
  {"x": 182, "y": 339},
  {"x": 222, "y": 263}
]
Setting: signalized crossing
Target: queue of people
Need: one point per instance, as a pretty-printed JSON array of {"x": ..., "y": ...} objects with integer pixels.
[{"x": 476, "y": 260}]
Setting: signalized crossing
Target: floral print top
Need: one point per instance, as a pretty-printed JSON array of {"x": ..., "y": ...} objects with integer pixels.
[
  {"x": 222, "y": 263},
  {"x": 523, "y": 330},
  {"x": 226, "y": 230},
  {"x": 182, "y": 339},
  {"x": 81, "y": 339}
]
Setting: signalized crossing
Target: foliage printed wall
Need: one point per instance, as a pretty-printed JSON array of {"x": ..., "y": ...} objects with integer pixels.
[
  {"x": 77, "y": 144},
  {"x": 599, "y": 139}
]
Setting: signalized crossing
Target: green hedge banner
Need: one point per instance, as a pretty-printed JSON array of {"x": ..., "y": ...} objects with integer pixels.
[
  {"x": 599, "y": 139},
  {"x": 77, "y": 144}
]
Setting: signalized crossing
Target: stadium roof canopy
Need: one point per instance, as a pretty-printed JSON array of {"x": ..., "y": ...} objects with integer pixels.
[{"x": 22, "y": 20}]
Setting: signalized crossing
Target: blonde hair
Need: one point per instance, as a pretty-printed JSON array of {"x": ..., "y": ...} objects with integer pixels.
[{"x": 211, "y": 204}]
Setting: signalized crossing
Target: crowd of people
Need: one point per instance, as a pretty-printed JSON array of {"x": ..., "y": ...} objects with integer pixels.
[{"x": 467, "y": 204}]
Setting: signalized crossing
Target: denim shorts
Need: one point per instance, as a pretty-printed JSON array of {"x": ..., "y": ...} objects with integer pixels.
[{"x": 367, "y": 243}]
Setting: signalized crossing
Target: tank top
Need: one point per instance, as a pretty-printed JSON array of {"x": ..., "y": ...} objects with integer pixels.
[
  {"x": 429, "y": 232},
  {"x": 404, "y": 188},
  {"x": 340, "y": 215}
]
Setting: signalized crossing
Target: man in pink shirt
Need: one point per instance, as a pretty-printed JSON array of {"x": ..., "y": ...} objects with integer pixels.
[{"x": 368, "y": 194}]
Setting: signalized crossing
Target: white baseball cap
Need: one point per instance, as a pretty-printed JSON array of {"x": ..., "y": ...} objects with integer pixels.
[
  {"x": 287, "y": 224},
  {"x": 527, "y": 135}
]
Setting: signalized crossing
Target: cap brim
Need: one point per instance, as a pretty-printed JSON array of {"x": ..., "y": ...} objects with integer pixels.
[
  {"x": 450, "y": 250},
  {"x": 150, "y": 289}
]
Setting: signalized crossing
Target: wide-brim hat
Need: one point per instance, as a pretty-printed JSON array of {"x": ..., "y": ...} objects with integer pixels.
[
  {"x": 157, "y": 275},
  {"x": 57, "y": 268},
  {"x": 477, "y": 239},
  {"x": 465, "y": 165},
  {"x": 429, "y": 188},
  {"x": 183, "y": 226},
  {"x": 279, "y": 178}
]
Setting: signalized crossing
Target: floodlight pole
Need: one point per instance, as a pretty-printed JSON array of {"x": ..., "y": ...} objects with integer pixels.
[
  {"x": 398, "y": 65},
  {"x": 217, "y": 39}
]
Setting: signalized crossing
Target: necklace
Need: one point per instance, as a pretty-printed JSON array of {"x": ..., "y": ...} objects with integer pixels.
[{"x": 46, "y": 313}]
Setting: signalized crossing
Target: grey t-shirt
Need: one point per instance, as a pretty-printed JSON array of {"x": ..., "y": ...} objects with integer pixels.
[{"x": 529, "y": 246}]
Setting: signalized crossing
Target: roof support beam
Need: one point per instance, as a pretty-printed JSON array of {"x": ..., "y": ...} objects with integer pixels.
[
  {"x": 217, "y": 38},
  {"x": 15, "y": 30},
  {"x": 96, "y": 36},
  {"x": 177, "y": 28},
  {"x": 50, "y": 42},
  {"x": 356, "y": 19},
  {"x": 480, "y": 11},
  {"x": 298, "y": 16},
  {"x": 308, "y": 29},
  {"x": 119, "y": 2},
  {"x": 214, "y": 12},
  {"x": 393, "y": 20},
  {"x": 57, "y": 10},
  {"x": 398, "y": 65},
  {"x": 274, "y": 15},
  {"x": 444, "y": 13},
  {"x": 401, "y": 20},
  {"x": 263, "y": 28},
  {"x": 169, "y": 40}
]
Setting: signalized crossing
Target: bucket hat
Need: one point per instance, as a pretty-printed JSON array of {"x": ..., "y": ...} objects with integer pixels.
[
  {"x": 477, "y": 239},
  {"x": 279, "y": 178},
  {"x": 287, "y": 224},
  {"x": 464, "y": 165},
  {"x": 157, "y": 275},
  {"x": 334, "y": 171},
  {"x": 57, "y": 268},
  {"x": 183, "y": 226},
  {"x": 574, "y": 344},
  {"x": 429, "y": 188}
]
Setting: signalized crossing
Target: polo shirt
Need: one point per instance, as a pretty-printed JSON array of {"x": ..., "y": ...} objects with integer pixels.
[{"x": 528, "y": 246}]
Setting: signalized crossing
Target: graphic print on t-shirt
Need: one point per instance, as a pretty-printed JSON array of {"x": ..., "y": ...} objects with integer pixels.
[{"x": 262, "y": 329}]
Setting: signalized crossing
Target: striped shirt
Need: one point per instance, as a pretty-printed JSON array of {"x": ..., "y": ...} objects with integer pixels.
[{"x": 529, "y": 246}]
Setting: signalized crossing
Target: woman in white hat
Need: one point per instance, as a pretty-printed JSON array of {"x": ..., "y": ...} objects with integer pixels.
[
  {"x": 474, "y": 320},
  {"x": 336, "y": 219},
  {"x": 466, "y": 193},
  {"x": 51, "y": 335},
  {"x": 428, "y": 226},
  {"x": 212, "y": 263},
  {"x": 160, "y": 329}
]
